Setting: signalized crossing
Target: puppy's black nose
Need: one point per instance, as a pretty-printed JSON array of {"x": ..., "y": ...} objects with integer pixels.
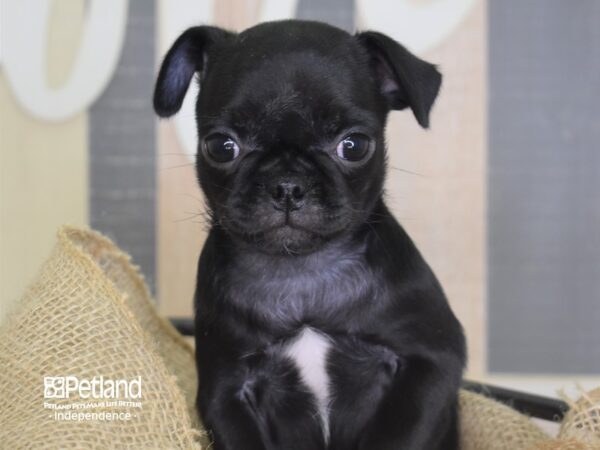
[{"x": 287, "y": 195}]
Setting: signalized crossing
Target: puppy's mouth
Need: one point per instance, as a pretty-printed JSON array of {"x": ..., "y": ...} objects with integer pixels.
[
  {"x": 289, "y": 239},
  {"x": 285, "y": 236}
]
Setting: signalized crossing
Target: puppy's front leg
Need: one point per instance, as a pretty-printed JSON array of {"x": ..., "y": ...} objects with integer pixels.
[
  {"x": 257, "y": 403},
  {"x": 420, "y": 410},
  {"x": 230, "y": 424}
]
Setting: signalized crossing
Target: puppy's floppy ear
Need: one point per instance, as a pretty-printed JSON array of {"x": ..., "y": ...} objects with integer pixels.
[
  {"x": 187, "y": 56},
  {"x": 404, "y": 79}
]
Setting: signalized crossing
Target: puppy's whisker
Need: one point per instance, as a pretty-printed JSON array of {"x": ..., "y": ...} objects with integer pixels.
[
  {"x": 205, "y": 221},
  {"x": 178, "y": 166},
  {"x": 363, "y": 211},
  {"x": 410, "y": 172},
  {"x": 195, "y": 197},
  {"x": 173, "y": 154},
  {"x": 221, "y": 187}
]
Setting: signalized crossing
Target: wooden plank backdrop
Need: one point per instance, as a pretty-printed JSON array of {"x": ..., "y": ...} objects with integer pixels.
[
  {"x": 43, "y": 179},
  {"x": 436, "y": 184}
]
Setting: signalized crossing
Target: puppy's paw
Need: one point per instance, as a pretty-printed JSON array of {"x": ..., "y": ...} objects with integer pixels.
[
  {"x": 389, "y": 362},
  {"x": 251, "y": 394}
]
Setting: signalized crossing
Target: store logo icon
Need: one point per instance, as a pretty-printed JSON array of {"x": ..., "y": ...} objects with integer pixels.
[{"x": 55, "y": 387}]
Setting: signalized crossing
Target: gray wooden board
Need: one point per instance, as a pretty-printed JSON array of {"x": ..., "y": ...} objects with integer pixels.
[
  {"x": 544, "y": 186},
  {"x": 122, "y": 140}
]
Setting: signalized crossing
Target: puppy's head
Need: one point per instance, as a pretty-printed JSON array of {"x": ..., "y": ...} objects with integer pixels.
[{"x": 291, "y": 118}]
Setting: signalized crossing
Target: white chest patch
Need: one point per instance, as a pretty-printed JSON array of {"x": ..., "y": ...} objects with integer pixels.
[{"x": 309, "y": 351}]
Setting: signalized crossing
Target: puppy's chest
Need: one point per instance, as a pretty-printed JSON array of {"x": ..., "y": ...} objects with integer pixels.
[
  {"x": 328, "y": 366},
  {"x": 309, "y": 351},
  {"x": 301, "y": 295},
  {"x": 286, "y": 307}
]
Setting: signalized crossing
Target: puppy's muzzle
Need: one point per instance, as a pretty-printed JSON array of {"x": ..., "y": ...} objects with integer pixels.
[{"x": 288, "y": 194}]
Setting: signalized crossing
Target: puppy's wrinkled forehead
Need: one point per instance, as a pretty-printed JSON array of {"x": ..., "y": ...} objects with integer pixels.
[{"x": 276, "y": 85}]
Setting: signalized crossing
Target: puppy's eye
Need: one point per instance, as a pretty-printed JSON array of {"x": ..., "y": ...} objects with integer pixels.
[
  {"x": 221, "y": 148},
  {"x": 354, "y": 147}
]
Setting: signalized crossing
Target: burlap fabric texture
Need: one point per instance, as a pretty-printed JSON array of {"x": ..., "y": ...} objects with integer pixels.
[
  {"x": 89, "y": 313},
  {"x": 580, "y": 429}
]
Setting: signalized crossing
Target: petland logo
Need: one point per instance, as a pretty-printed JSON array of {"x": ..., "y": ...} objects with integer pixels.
[{"x": 96, "y": 388}]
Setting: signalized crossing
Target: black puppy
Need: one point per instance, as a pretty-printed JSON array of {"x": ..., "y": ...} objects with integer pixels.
[{"x": 318, "y": 323}]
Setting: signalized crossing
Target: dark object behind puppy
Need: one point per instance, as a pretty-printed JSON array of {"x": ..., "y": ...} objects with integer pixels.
[{"x": 319, "y": 325}]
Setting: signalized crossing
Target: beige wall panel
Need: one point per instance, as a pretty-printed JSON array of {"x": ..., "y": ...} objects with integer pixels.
[
  {"x": 443, "y": 206},
  {"x": 64, "y": 36},
  {"x": 181, "y": 224},
  {"x": 43, "y": 167},
  {"x": 236, "y": 15}
]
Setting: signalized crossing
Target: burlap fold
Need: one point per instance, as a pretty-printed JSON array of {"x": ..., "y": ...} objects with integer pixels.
[
  {"x": 562, "y": 444},
  {"x": 177, "y": 354},
  {"x": 89, "y": 313},
  {"x": 582, "y": 421},
  {"x": 489, "y": 425},
  {"x": 76, "y": 321}
]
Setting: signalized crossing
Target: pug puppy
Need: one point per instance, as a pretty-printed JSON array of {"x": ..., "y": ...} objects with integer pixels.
[{"x": 318, "y": 323}]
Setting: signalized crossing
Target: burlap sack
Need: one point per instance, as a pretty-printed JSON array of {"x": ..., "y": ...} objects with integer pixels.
[
  {"x": 177, "y": 354},
  {"x": 582, "y": 421},
  {"x": 77, "y": 321},
  {"x": 89, "y": 313},
  {"x": 489, "y": 425},
  {"x": 580, "y": 428},
  {"x": 559, "y": 444}
]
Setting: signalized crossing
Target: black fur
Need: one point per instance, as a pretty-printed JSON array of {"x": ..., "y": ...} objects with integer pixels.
[{"x": 301, "y": 238}]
